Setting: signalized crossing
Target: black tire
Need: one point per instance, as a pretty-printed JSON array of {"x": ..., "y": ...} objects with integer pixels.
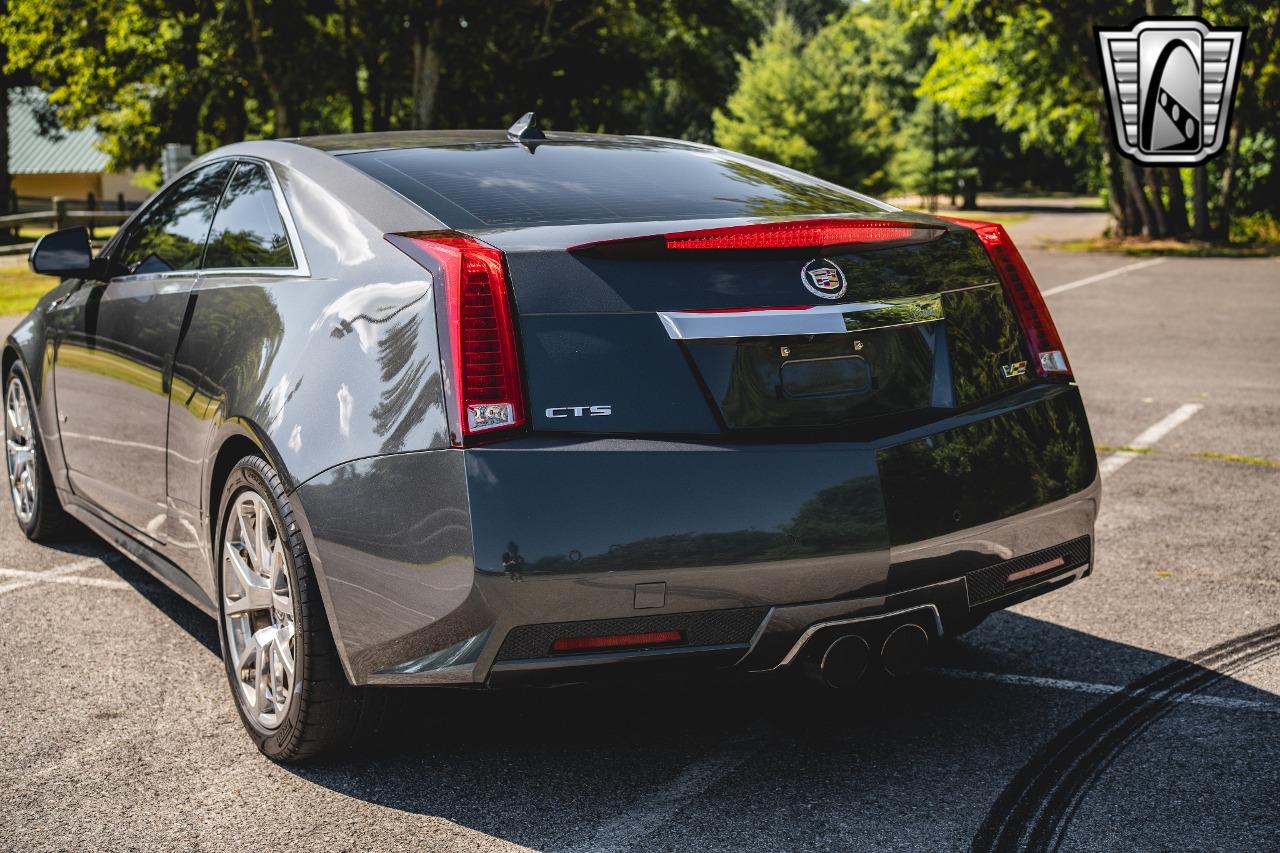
[
  {"x": 325, "y": 712},
  {"x": 49, "y": 522}
]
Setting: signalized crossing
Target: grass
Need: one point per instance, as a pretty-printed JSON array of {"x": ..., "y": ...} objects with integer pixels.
[
  {"x": 1216, "y": 456},
  {"x": 989, "y": 216},
  {"x": 980, "y": 215},
  {"x": 1237, "y": 457},
  {"x": 1175, "y": 248},
  {"x": 31, "y": 233},
  {"x": 20, "y": 289}
]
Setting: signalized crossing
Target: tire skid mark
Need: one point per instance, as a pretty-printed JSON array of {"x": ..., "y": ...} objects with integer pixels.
[
  {"x": 630, "y": 828},
  {"x": 1036, "y": 807}
]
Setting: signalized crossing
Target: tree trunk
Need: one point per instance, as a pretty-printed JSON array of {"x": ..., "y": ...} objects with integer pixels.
[
  {"x": 1199, "y": 174},
  {"x": 1134, "y": 215},
  {"x": 182, "y": 124},
  {"x": 1227, "y": 187},
  {"x": 426, "y": 70},
  {"x": 282, "y": 117},
  {"x": 6, "y": 181},
  {"x": 235, "y": 125},
  {"x": 1177, "y": 215},
  {"x": 1121, "y": 214},
  {"x": 1138, "y": 197},
  {"x": 352, "y": 70},
  {"x": 1200, "y": 201},
  {"x": 377, "y": 100},
  {"x": 1116, "y": 196},
  {"x": 1246, "y": 112},
  {"x": 1159, "y": 221},
  {"x": 1123, "y": 211}
]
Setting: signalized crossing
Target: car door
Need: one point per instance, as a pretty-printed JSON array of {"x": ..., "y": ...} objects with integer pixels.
[
  {"x": 113, "y": 367},
  {"x": 231, "y": 337}
]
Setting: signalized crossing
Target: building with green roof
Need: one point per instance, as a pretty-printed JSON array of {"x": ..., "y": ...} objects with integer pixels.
[{"x": 67, "y": 163}]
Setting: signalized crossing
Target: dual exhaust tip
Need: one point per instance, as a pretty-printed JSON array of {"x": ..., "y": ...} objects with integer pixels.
[{"x": 843, "y": 663}]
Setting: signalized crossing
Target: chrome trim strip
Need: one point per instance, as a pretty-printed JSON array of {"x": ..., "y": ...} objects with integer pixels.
[
  {"x": 154, "y": 276},
  {"x": 755, "y": 638},
  {"x": 818, "y": 320},
  {"x": 301, "y": 267},
  {"x": 463, "y": 673},
  {"x": 815, "y": 628},
  {"x": 283, "y": 272}
]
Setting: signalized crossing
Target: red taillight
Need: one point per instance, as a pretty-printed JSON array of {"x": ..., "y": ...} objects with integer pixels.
[
  {"x": 617, "y": 641},
  {"x": 1047, "y": 353},
  {"x": 482, "y": 337},
  {"x": 816, "y": 234}
]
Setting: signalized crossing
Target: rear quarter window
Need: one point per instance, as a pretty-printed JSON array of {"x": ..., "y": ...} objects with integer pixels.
[
  {"x": 496, "y": 185},
  {"x": 248, "y": 231}
]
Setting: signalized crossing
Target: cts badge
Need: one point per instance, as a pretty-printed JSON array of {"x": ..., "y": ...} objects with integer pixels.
[
  {"x": 823, "y": 278},
  {"x": 1170, "y": 83},
  {"x": 579, "y": 411}
]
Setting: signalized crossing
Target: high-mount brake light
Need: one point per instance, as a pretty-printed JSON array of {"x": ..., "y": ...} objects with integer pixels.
[
  {"x": 815, "y": 234},
  {"x": 482, "y": 339},
  {"x": 1047, "y": 353}
]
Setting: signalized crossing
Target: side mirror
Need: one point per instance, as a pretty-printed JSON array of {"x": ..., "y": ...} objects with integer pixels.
[{"x": 64, "y": 253}]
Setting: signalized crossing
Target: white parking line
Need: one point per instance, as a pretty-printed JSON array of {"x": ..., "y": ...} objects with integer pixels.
[
  {"x": 51, "y": 577},
  {"x": 1109, "y": 689},
  {"x": 1102, "y": 276},
  {"x": 54, "y": 575},
  {"x": 1149, "y": 437}
]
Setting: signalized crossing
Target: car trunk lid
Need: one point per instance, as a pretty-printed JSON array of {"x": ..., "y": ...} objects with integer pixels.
[{"x": 624, "y": 332}]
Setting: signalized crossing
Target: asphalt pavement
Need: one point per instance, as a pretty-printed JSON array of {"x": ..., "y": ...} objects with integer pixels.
[{"x": 1136, "y": 710}]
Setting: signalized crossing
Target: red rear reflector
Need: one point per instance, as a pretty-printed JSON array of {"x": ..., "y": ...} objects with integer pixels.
[
  {"x": 1047, "y": 353},
  {"x": 1035, "y": 570},
  {"x": 814, "y": 234},
  {"x": 617, "y": 641},
  {"x": 482, "y": 338}
]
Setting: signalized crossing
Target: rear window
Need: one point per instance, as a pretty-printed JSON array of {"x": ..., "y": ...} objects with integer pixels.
[{"x": 484, "y": 185}]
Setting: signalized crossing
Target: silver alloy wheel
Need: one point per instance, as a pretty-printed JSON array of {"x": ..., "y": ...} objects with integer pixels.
[
  {"x": 257, "y": 606},
  {"x": 20, "y": 450}
]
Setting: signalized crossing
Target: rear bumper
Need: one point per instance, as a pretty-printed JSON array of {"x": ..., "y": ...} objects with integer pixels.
[
  {"x": 744, "y": 548},
  {"x": 782, "y": 634}
]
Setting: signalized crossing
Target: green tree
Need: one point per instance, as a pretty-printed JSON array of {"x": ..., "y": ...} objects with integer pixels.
[
  {"x": 936, "y": 154},
  {"x": 823, "y": 104},
  {"x": 208, "y": 72},
  {"x": 1032, "y": 67}
]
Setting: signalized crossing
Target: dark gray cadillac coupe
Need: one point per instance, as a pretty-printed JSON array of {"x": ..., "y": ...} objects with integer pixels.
[{"x": 487, "y": 408}]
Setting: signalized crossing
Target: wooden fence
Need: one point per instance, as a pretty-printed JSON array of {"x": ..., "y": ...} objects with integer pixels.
[{"x": 63, "y": 215}]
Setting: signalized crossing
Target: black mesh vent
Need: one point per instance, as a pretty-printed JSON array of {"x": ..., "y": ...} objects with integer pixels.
[
  {"x": 993, "y": 581},
  {"x": 703, "y": 628}
]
